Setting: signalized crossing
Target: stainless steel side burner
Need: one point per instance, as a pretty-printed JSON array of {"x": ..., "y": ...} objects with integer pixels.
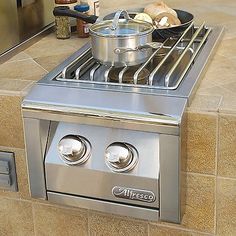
[
  {"x": 111, "y": 139},
  {"x": 167, "y": 65}
]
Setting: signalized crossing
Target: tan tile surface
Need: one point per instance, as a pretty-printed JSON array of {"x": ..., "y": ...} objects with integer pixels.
[
  {"x": 158, "y": 230},
  {"x": 209, "y": 103},
  {"x": 228, "y": 48},
  {"x": 16, "y": 218},
  {"x": 227, "y": 148},
  {"x": 14, "y": 86},
  {"x": 221, "y": 71},
  {"x": 11, "y": 124},
  {"x": 50, "y": 62},
  {"x": 19, "y": 56},
  {"x": 226, "y": 207},
  {"x": 200, "y": 203},
  {"x": 24, "y": 70},
  {"x": 201, "y": 142},
  {"x": 50, "y": 46},
  {"x": 103, "y": 225},
  {"x": 228, "y": 104},
  {"x": 22, "y": 176},
  {"x": 53, "y": 220}
]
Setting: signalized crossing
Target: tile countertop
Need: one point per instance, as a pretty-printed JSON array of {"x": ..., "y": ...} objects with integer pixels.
[{"x": 215, "y": 94}]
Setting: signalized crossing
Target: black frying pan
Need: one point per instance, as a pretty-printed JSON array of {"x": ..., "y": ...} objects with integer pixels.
[{"x": 185, "y": 18}]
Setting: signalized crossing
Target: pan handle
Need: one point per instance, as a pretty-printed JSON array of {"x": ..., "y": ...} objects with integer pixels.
[
  {"x": 154, "y": 45},
  {"x": 65, "y": 11},
  {"x": 117, "y": 17}
]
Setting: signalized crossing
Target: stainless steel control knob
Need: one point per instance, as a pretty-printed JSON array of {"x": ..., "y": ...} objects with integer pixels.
[
  {"x": 121, "y": 157},
  {"x": 74, "y": 149}
]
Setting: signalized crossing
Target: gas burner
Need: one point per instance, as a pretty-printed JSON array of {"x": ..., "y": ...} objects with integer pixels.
[
  {"x": 164, "y": 70},
  {"x": 126, "y": 75}
]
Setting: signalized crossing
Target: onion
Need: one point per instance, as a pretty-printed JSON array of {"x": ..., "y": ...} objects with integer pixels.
[{"x": 155, "y": 9}]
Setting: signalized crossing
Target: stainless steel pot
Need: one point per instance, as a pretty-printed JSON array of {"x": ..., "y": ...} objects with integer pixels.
[{"x": 121, "y": 42}]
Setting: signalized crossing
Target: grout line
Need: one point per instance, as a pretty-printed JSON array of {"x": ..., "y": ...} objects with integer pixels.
[
  {"x": 17, "y": 60},
  {"x": 220, "y": 103},
  {"x": 216, "y": 203},
  {"x": 225, "y": 178},
  {"x": 33, "y": 214},
  {"x": 88, "y": 225},
  {"x": 198, "y": 174},
  {"x": 181, "y": 227},
  {"x": 216, "y": 170},
  {"x": 40, "y": 66},
  {"x": 148, "y": 228},
  {"x": 217, "y": 144}
]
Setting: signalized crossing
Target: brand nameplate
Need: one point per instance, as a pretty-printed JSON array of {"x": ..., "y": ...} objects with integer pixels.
[{"x": 134, "y": 194}]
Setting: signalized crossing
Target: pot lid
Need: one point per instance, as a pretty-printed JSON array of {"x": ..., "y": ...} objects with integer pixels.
[{"x": 121, "y": 27}]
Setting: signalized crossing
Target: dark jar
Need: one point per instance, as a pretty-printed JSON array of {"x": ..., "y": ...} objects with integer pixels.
[{"x": 82, "y": 26}]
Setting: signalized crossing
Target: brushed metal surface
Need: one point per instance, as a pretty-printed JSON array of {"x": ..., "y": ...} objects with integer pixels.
[
  {"x": 108, "y": 105},
  {"x": 8, "y": 24},
  {"x": 94, "y": 178},
  {"x": 170, "y": 184},
  {"x": 36, "y": 137},
  {"x": 21, "y": 19},
  {"x": 103, "y": 50},
  {"x": 186, "y": 90},
  {"x": 103, "y": 206}
]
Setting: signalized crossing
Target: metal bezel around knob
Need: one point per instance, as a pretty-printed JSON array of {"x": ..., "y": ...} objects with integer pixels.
[
  {"x": 74, "y": 149},
  {"x": 123, "y": 159}
]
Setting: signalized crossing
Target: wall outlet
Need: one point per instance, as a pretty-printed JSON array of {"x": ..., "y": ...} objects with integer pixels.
[{"x": 8, "y": 180}]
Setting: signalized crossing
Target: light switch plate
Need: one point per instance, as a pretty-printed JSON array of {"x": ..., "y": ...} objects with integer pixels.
[{"x": 8, "y": 157}]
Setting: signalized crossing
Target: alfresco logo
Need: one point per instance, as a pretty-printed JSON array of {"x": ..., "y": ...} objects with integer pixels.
[{"x": 134, "y": 194}]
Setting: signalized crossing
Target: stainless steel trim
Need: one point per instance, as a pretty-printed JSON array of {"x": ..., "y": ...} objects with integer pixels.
[
  {"x": 86, "y": 63},
  {"x": 167, "y": 78},
  {"x": 192, "y": 59},
  {"x": 136, "y": 74},
  {"x": 170, "y": 180},
  {"x": 49, "y": 115},
  {"x": 36, "y": 135},
  {"x": 106, "y": 73},
  {"x": 27, "y": 43},
  {"x": 66, "y": 68},
  {"x": 92, "y": 72},
  {"x": 108, "y": 207},
  {"x": 115, "y": 115},
  {"x": 121, "y": 74},
  {"x": 151, "y": 77}
]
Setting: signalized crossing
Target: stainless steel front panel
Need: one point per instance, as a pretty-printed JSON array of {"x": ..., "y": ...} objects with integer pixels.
[
  {"x": 94, "y": 179},
  {"x": 109, "y": 207},
  {"x": 8, "y": 24},
  {"x": 21, "y": 19}
]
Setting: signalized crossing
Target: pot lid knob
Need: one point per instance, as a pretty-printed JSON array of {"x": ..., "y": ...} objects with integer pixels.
[{"x": 117, "y": 16}]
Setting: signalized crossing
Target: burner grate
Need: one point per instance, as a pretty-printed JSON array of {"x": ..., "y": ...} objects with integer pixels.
[{"x": 167, "y": 65}]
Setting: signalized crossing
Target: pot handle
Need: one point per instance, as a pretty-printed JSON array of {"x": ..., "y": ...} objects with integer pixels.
[
  {"x": 65, "y": 11},
  {"x": 117, "y": 17},
  {"x": 153, "y": 45}
]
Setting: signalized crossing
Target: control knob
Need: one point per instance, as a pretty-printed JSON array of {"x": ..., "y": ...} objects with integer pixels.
[
  {"x": 74, "y": 149},
  {"x": 121, "y": 157}
]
